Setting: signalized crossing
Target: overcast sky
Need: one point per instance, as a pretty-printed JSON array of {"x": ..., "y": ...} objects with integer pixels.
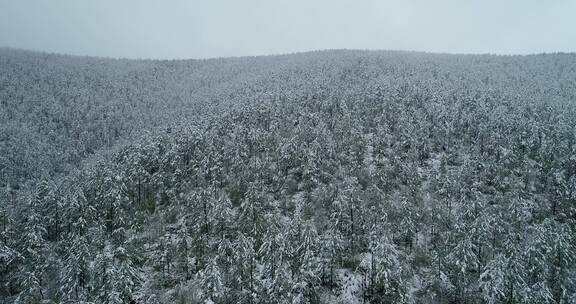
[{"x": 217, "y": 28}]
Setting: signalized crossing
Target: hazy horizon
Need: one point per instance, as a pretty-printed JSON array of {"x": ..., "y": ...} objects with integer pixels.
[
  {"x": 195, "y": 30},
  {"x": 280, "y": 54}
]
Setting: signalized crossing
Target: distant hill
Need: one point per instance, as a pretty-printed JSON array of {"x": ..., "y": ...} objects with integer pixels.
[{"x": 320, "y": 177}]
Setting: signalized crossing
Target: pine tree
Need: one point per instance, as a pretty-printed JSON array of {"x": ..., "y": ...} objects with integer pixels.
[
  {"x": 305, "y": 260},
  {"x": 74, "y": 283},
  {"x": 33, "y": 244},
  {"x": 493, "y": 280},
  {"x": 115, "y": 277},
  {"x": 210, "y": 281},
  {"x": 248, "y": 272}
]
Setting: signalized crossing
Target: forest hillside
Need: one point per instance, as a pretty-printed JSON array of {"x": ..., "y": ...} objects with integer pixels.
[{"x": 322, "y": 177}]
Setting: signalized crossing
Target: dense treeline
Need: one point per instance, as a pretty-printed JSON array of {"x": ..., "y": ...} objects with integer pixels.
[
  {"x": 57, "y": 110},
  {"x": 383, "y": 177}
]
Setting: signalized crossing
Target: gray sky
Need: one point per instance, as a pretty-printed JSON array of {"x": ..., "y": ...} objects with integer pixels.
[{"x": 216, "y": 28}]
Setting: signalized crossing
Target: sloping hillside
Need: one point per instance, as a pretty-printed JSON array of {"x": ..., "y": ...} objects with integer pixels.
[{"x": 351, "y": 176}]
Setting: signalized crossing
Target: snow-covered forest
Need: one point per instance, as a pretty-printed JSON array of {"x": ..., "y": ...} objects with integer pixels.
[{"x": 319, "y": 177}]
